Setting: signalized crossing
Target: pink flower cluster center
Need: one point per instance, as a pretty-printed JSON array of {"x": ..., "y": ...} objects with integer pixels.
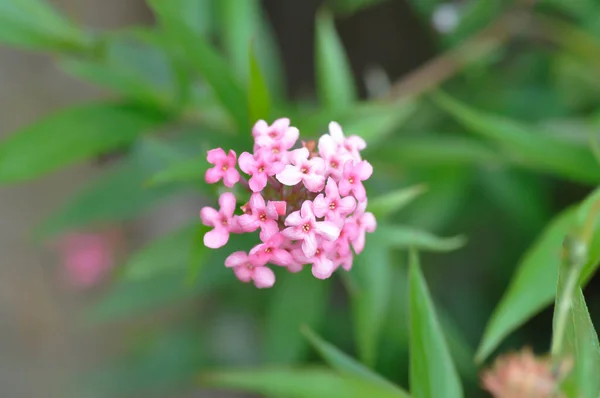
[{"x": 308, "y": 205}]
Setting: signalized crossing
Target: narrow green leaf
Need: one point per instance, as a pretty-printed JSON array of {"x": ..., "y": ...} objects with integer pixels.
[
  {"x": 532, "y": 287},
  {"x": 71, "y": 135},
  {"x": 189, "y": 170},
  {"x": 388, "y": 203},
  {"x": 370, "y": 302},
  {"x": 438, "y": 150},
  {"x": 35, "y": 24},
  {"x": 581, "y": 344},
  {"x": 296, "y": 383},
  {"x": 259, "y": 100},
  {"x": 335, "y": 82},
  {"x": 119, "y": 194},
  {"x": 345, "y": 364},
  {"x": 401, "y": 237},
  {"x": 536, "y": 149},
  {"x": 167, "y": 253},
  {"x": 207, "y": 61},
  {"x": 298, "y": 299},
  {"x": 432, "y": 373}
]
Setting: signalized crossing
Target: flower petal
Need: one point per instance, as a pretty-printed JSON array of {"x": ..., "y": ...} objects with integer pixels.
[
  {"x": 231, "y": 177},
  {"x": 327, "y": 229},
  {"x": 263, "y": 277},
  {"x": 215, "y": 156},
  {"x": 259, "y": 128},
  {"x": 322, "y": 268},
  {"x": 327, "y": 146},
  {"x": 298, "y": 156},
  {"x": 368, "y": 222},
  {"x": 320, "y": 205},
  {"x": 346, "y": 205},
  {"x": 227, "y": 203},
  {"x": 306, "y": 211},
  {"x": 331, "y": 189},
  {"x": 216, "y": 238},
  {"x": 294, "y": 219},
  {"x": 213, "y": 175},
  {"x": 236, "y": 259},
  {"x": 268, "y": 229},
  {"x": 289, "y": 176},
  {"x": 309, "y": 244},
  {"x": 336, "y": 132},
  {"x": 345, "y": 187},
  {"x": 243, "y": 274},
  {"x": 281, "y": 257},
  {"x": 248, "y": 222},
  {"x": 258, "y": 182},
  {"x": 314, "y": 182},
  {"x": 359, "y": 191},
  {"x": 246, "y": 162},
  {"x": 363, "y": 170},
  {"x": 209, "y": 216},
  {"x": 290, "y": 137},
  {"x": 257, "y": 202},
  {"x": 293, "y": 233}
]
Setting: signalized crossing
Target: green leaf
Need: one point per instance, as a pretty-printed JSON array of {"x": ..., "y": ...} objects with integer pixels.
[
  {"x": 296, "y": 383},
  {"x": 432, "y": 373},
  {"x": 298, "y": 299},
  {"x": 133, "y": 63},
  {"x": 172, "y": 251},
  {"x": 536, "y": 149},
  {"x": 532, "y": 287},
  {"x": 35, "y": 24},
  {"x": 190, "y": 170},
  {"x": 438, "y": 150},
  {"x": 71, "y": 135},
  {"x": 335, "y": 82},
  {"x": 370, "y": 301},
  {"x": 389, "y": 203},
  {"x": 345, "y": 364},
  {"x": 581, "y": 343},
  {"x": 401, "y": 237},
  {"x": 259, "y": 100},
  {"x": 119, "y": 194},
  {"x": 348, "y": 7},
  {"x": 206, "y": 60}
]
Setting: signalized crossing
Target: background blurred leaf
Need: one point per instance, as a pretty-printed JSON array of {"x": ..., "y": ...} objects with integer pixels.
[
  {"x": 132, "y": 63},
  {"x": 35, "y": 24},
  {"x": 535, "y": 149},
  {"x": 335, "y": 82},
  {"x": 164, "y": 254},
  {"x": 259, "y": 100},
  {"x": 388, "y": 203},
  {"x": 345, "y": 364},
  {"x": 580, "y": 344},
  {"x": 119, "y": 194},
  {"x": 401, "y": 237},
  {"x": 53, "y": 142},
  {"x": 298, "y": 299},
  {"x": 432, "y": 373},
  {"x": 370, "y": 302},
  {"x": 206, "y": 60},
  {"x": 189, "y": 170},
  {"x": 297, "y": 384},
  {"x": 347, "y": 7},
  {"x": 531, "y": 287}
]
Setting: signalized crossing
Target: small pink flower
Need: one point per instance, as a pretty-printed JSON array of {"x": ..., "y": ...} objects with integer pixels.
[
  {"x": 223, "y": 221},
  {"x": 332, "y": 206},
  {"x": 354, "y": 175},
  {"x": 365, "y": 222},
  {"x": 247, "y": 269},
  {"x": 322, "y": 266},
  {"x": 224, "y": 167},
  {"x": 303, "y": 226},
  {"x": 260, "y": 215},
  {"x": 279, "y": 132},
  {"x": 353, "y": 144},
  {"x": 260, "y": 167},
  {"x": 310, "y": 172},
  {"x": 271, "y": 252},
  {"x": 333, "y": 157}
]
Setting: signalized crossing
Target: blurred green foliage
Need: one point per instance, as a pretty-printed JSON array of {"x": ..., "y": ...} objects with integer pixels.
[{"x": 493, "y": 152}]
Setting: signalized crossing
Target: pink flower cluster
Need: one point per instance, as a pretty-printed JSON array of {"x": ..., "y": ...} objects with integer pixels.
[{"x": 308, "y": 203}]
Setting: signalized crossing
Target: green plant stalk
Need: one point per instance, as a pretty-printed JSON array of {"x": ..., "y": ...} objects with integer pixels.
[{"x": 566, "y": 301}]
